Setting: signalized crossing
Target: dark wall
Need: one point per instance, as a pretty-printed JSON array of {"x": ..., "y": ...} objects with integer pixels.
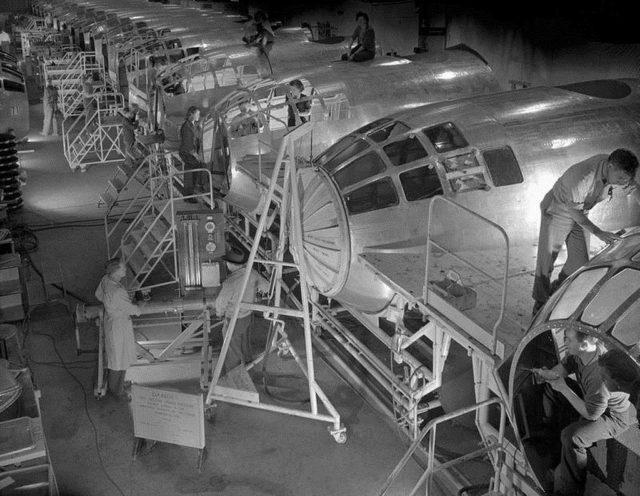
[{"x": 14, "y": 6}]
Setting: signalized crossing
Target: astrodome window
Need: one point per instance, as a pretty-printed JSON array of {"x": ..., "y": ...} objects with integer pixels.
[
  {"x": 445, "y": 137},
  {"x": 393, "y": 129},
  {"x": 576, "y": 292},
  {"x": 611, "y": 295},
  {"x": 405, "y": 151},
  {"x": 420, "y": 183},
  {"x": 360, "y": 169},
  {"x": 343, "y": 154},
  {"x": 373, "y": 196},
  {"x": 626, "y": 329}
]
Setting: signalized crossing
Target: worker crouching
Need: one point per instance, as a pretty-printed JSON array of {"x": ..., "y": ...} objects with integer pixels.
[{"x": 239, "y": 349}]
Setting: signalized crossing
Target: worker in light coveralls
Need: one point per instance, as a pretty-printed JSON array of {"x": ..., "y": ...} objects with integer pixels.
[
  {"x": 564, "y": 212},
  {"x": 239, "y": 348},
  {"x": 119, "y": 341}
]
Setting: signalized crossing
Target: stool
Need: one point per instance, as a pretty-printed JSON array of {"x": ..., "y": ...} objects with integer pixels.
[{"x": 7, "y": 332}]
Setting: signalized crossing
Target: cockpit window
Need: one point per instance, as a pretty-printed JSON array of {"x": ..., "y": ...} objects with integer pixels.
[
  {"x": 343, "y": 153},
  {"x": 420, "y": 183},
  {"x": 13, "y": 86},
  {"x": 445, "y": 137},
  {"x": 360, "y": 169},
  {"x": 624, "y": 283},
  {"x": 464, "y": 173},
  {"x": 503, "y": 166},
  {"x": 626, "y": 329},
  {"x": 576, "y": 292},
  {"x": 389, "y": 131},
  {"x": 373, "y": 196},
  {"x": 405, "y": 151}
]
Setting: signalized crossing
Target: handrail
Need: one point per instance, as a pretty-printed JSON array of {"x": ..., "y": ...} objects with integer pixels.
[
  {"x": 432, "y": 425},
  {"x": 134, "y": 201},
  {"x": 505, "y": 277}
]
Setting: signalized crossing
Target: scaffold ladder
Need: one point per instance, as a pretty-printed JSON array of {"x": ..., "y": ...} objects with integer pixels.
[
  {"x": 96, "y": 139},
  {"x": 290, "y": 235}
]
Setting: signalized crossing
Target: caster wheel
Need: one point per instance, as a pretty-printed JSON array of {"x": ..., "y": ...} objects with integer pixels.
[
  {"x": 339, "y": 435},
  {"x": 340, "y": 438},
  {"x": 210, "y": 413}
]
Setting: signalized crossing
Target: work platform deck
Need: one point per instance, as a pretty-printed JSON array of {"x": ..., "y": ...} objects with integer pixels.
[{"x": 404, "y": 273}]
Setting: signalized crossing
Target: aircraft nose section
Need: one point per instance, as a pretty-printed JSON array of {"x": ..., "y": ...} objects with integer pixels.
[{"x": 325, "y": 232}]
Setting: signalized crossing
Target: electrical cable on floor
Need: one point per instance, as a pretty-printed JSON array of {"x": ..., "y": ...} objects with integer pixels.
[
  {"x": 86, "y": 407},
  {"x": 27, "y": 242}
]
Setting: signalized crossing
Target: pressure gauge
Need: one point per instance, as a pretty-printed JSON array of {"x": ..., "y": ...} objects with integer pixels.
[
  {"x": 209, "y": 226},
  {"x": 210, "y": 247}
]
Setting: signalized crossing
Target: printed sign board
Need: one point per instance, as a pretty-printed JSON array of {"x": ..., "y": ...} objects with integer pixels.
[{"x": 168, "y": 416}]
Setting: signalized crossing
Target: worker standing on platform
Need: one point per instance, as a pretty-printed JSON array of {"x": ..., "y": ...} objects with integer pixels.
[
  {"x": 119, "y": 341},
  {"x": 365, "y": 39},
  {"x": 239, "y": 348},
  {"x": 299, "y": 106},
  {"x": 602, "y": 414},
  {"x": 87, "y": 98},
  {"x": 564, "y": 215},
  {"x": 190, "y": 152},
  {"x": 50, "y": 108},
  {"x": 131, "y": 153}
]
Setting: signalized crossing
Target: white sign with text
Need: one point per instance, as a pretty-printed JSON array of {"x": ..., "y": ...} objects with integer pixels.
[{"x": 168, "y": 416}]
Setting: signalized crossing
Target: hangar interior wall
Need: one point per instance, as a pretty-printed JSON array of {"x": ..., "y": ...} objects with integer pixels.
[{"x": 517, "y": 59}]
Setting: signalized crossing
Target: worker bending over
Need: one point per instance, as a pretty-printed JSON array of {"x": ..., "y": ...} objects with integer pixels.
[
  {"x": 239, "y": 348},
  {"x": 364, "y": 38},
  {"x": 260, "y": 36},
  {"x": 119, "y": 342},
  {"x": 602, "y": 414},
  {"x": 564, "y": 215}
]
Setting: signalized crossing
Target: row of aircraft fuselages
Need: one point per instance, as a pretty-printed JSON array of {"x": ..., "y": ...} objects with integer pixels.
[{"x": 387, "y": 137}]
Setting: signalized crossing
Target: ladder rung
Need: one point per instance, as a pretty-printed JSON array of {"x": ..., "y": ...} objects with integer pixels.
[
  {"x": 148, "y": 244},
  {"x": 117, "y": 184},
  {"x": 160, "y": 228},
  {"x": 134, "y": 259}
]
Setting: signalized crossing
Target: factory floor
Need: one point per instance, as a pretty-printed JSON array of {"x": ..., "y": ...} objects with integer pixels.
[{"x": 250, "y": 452}]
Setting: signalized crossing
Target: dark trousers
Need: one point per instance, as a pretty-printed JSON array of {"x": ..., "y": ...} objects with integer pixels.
[
  {"x": 576, "y": 436},
  {"x": 360, "y": 57},
  {"x": 239, "y": 349},
  {"x": 576, "y": 439},
  {"x": 190, "y": 179},
  {"x": 556, "y": 230},
  {"x": 131, "y": 152}
]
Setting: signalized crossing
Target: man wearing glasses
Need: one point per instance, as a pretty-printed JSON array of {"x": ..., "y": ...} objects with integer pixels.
[{"x": 564, "y": 212}]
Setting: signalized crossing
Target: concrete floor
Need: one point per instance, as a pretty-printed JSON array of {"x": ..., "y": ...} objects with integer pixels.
[{"x": 90, "y": 442}]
